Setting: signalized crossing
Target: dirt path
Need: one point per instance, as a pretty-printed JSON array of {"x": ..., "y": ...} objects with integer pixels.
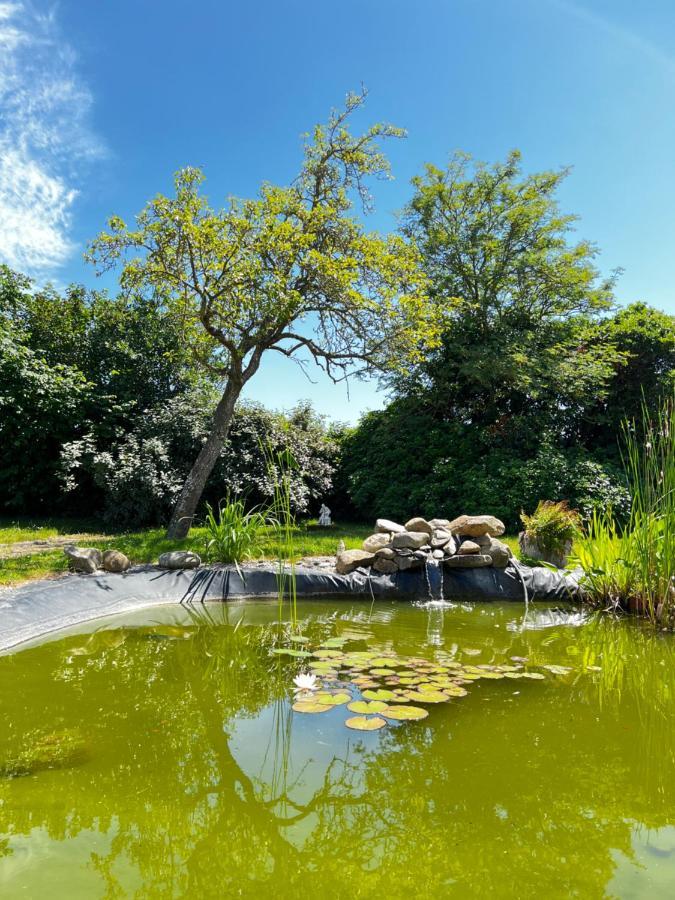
[{"x": 44, "y": 545}]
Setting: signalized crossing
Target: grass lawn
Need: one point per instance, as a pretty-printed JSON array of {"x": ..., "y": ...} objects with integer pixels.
[{"x": 145, "y": 546}]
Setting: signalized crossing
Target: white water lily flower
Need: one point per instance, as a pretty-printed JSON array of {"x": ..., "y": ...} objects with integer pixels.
[{"x": 305, "y": 682}]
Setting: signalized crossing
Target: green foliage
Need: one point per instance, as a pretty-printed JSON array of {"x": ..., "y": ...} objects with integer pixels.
[
  {"x": 552, "y": 525},
  {"x": 291, "y": 271},
  {"x": 73, "y": 365},
  {"x": 517, "y": 297},
  {"x": 448, "y": 470},
  {"x": 233, "y": 534},
  {"x": 140, "y": 474},
  {"x": 645, "y": 339},
  {"x": 634, "y": 567}
]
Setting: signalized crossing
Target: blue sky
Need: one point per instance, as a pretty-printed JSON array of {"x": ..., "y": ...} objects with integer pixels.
[{"x": 100, "y": 102}]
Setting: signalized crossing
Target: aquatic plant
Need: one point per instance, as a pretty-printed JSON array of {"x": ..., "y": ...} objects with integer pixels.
[
  {"x": 634, "y": 567},
  {"x": 233, "y": 534}
]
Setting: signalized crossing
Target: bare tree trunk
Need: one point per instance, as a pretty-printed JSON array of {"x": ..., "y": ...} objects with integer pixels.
[{"x": 190, "y": 495}]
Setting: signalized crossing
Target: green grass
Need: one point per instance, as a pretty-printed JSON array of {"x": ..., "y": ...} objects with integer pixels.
[
  {"x": 13, "y": 531},
  {"x": 309, "y": 539}
]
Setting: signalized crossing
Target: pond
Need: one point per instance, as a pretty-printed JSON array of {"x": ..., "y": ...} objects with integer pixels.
[{"x": 164, "y": 758}]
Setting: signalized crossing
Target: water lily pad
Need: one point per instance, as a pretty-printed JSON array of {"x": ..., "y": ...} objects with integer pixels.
[
  {"x": 405, "y": 713},
  {"x": 535, "y": 676},
  {"x": 328, "y": 654},
  {"x": 381, "y": 661},
  {"x": 558, "y": 670},
  {"x": 366, "y": 707},
  {"x": 427, "y": 697},
  {"x": 299, "y": 639},
  {"x": 334, "y": 642},
  {"x": 336, "y": 698},
  {"x": 381, "y": 671},
  {"x": 455, "y": 691},
  {"x": 365, "y": 723},
  {"x": 410, "y": 679},
  {"x": 288, "y": 651},
  {"x": 471, "y": 651},
  {"x": 427, "y": 688},
  {"x": 380, "y": 694},
  {"x": 489, "y": 674},
  {"x": 310, "y": 706}
]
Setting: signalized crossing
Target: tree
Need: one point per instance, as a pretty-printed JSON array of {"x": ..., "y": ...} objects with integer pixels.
[
  {"x": 290, "y": 271},
  {"x": 518, "y": 299},
  {"x": 645, "y": 339}
]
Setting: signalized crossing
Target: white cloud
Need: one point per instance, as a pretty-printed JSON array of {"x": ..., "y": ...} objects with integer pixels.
[{"x": 45, "y": 138}]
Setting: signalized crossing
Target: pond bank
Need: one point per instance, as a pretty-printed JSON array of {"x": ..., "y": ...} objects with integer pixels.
[{"x": 47, "y": 607}]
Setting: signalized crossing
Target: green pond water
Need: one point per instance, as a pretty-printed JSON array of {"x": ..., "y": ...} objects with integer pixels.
[{"x": 164, "y": 759}]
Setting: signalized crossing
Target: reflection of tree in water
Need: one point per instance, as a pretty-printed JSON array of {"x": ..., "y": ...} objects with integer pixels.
[{"x": 420, "y": 812}]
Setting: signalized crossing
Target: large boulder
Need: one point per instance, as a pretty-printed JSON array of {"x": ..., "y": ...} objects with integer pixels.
[
  {"x": 475, "y": 526},
  {"x": 114, "y": 561},
  {"x": 83, "y": 559},
  {"x": 179, "y": 559},
  {"x": 419, "y": 524},
  {"x": 387, "y": 526},
  {"x": 468, "y": 561},
  {"x": 498, "y": 550},
  {"x": 385, "y": 566},
  {"x": 349, "y": 560},
  {"x": 410, "y": 540},
  {"x": 531, "y": 549},
  {"x": 376, "y": 542}
]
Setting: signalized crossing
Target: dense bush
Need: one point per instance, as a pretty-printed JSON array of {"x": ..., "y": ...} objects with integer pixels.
[
  {"x": 400, "y": 462},
  {"x": 141, "y": 474}
]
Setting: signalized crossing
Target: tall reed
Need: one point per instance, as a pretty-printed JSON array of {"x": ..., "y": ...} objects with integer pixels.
[
  {"x": 280, "y": 465},
  {"x": 634, "y": 566}
]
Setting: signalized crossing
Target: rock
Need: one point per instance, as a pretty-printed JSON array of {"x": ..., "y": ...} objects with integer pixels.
[
  {"x": 531, "y": 548},
  {"x": 451, "y": 547},
  {"x": 468, "y": 561},
  {"x": 421, "y": 554},
  {"x": 349, "y": 560},
  {"x": 419, "y": 524},
  {"x": 179, "y": 559},
  {"x": 403, "y": 551},
  {"x": 474, "y": 526},
  {"x": 386, "y": 526},
  {"x": 376, "y": 542},
  {"x": 440, "y": 523},
  {"x": 114, "y": 561},
  {"x": 83, "y": 559},
  {"x": 385, "y": 566},
  {"x": 500, "y": 552},
  {"x": 385, "y": 553},
  {"x": 440, "y": 538},
  {"x": 411, "y": 540},
  {"x": 403, "y": 563},
  {"x": 438, "y": 554},
  {"x": 468, "y": 547}
]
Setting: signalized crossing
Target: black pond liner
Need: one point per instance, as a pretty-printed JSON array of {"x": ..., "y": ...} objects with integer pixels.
[{"x": 44, "y": 607}]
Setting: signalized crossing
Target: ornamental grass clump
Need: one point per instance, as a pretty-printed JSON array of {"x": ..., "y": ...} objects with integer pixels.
[
  {"x": 233, "y": 534},
  {"x": 634, "y": 567}
]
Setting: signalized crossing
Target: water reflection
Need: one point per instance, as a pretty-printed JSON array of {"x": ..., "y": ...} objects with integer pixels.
[{"x": 204, "y": 783}]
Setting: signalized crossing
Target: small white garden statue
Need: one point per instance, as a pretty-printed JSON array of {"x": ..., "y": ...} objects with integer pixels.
[{"x": 324, "y": 516}]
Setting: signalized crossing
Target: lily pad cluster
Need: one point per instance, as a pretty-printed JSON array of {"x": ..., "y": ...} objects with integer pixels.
[{"x": 382, "y": 687}]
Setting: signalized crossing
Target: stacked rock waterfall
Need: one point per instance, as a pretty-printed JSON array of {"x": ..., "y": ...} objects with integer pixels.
[{"x": 463, "y": 543}]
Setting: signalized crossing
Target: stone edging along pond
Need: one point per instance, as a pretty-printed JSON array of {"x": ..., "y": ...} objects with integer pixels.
[{"x": 41, "y": 608}]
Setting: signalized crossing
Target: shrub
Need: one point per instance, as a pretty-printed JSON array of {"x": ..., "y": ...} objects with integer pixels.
[
  {"x": 552, "y": 526},
  {"x": 142, "y": 472}
]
